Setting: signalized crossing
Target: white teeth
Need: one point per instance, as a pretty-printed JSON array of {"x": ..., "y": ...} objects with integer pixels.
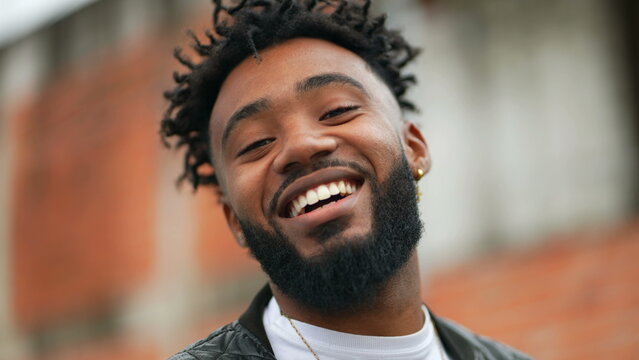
[
  {"x": 342, "y": 187},
  {"x": 296, "y": 206},
  {"x": 302, "y": 200},
  {"x": 323, "y": 193},
  {"x": 311, "y": 197},
  {"x": 294, "y": 211}
]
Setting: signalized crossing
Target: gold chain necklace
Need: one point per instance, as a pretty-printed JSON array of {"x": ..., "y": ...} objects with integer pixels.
[
  {"x": 308, "y": 346},
  {"x": 302, "y": 337}
]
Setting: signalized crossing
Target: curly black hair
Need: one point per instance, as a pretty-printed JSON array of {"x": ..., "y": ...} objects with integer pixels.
[{"x": 242, "y": 29}]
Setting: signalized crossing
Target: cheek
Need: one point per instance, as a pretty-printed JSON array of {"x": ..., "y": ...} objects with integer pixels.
[
  {"x": 380, "y": 145},
  {"x": 243, "y": 201},
  {"x": 247, "y": 186},
  {"x": 380, "y": 141}
]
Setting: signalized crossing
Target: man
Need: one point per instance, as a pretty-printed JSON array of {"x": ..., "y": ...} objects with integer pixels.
[{"x": 295, "y": 116}]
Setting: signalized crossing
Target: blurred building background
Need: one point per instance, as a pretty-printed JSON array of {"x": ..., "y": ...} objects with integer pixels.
[{"x": 531, "y": 209}]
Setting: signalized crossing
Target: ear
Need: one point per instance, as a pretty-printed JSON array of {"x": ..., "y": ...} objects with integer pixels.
[
  {"x": 416, "y": 150},
  {"x": 233, "y": 223}
]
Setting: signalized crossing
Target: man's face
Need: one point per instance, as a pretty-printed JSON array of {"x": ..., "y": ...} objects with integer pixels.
[{"x": 309, "y": 124}]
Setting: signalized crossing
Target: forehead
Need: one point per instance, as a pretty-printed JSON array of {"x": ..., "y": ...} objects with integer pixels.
[{"x": 281, "y": 68}]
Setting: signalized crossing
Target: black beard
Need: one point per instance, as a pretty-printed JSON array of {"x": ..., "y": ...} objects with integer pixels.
[{"x": 351, "y": 273}]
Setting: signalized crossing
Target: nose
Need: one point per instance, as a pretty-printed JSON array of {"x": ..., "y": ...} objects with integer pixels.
[{"x": 301, "y": 148}]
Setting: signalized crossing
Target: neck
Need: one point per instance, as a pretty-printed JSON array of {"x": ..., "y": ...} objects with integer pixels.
[{"x": 396, "y": 310}]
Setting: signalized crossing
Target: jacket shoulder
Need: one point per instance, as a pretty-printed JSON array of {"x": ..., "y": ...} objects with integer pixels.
[
  {"x": 482, "y": 347},
  {"x": 231, "y": 341}
]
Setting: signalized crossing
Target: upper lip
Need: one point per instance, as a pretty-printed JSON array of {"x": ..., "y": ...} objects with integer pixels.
[{"x": 311, "y": 180}]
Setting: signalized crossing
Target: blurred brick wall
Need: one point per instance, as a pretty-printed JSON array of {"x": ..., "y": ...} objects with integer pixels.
[
  {"x": 83, "y": 199},
  {"x": 575, "y": 298}
]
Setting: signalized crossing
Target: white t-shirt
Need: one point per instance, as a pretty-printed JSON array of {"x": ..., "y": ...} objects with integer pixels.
[{"x": 329, "y": 344}]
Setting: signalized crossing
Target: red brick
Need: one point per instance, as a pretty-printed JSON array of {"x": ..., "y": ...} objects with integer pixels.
[
  {"x": 578, "y": 292},
  {"x": 83, "y": 200}
]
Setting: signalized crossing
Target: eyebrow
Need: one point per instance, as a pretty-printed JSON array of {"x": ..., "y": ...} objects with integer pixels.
[
  {"x": 322, "y": 80},
  {"x": 304, "y": 86},
  {"x": 244, "y": 112}
]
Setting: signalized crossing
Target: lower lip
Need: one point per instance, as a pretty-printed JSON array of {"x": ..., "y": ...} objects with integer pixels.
[{"x": 328, "y": 212}]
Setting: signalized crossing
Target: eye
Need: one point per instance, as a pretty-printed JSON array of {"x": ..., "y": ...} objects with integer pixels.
[
  {"x": 255, "y": 145},
  {"x": 338, "y": 111}
]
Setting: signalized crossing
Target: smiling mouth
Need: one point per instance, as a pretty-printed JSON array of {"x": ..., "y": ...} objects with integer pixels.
[{"x": 321, "y": 195}]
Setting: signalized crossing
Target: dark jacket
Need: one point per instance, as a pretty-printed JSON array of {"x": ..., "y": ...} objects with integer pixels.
[{"x": 246, "y": 339}]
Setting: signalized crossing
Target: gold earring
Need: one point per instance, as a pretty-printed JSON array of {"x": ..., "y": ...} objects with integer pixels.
[{"x": 420, "y": 174}]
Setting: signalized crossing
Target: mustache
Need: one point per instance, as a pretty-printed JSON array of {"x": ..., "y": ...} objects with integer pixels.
[{"x": 315, "y": 166}]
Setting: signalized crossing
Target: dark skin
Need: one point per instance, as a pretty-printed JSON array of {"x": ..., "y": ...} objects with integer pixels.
[{"x": 306, "y": 100}]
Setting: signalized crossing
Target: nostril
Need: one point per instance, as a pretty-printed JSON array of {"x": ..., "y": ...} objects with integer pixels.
[
  {"x": 292, "y": 165},
  {"x": 321, "y": 154}
]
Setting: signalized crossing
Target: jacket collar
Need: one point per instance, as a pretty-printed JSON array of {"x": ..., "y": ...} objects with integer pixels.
[
  {"x": 252, "y": 317},
  {"x": 455, "y": 344}
]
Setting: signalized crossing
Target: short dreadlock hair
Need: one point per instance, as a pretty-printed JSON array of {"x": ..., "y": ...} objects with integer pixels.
[{"x": 242, "y": 29}]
